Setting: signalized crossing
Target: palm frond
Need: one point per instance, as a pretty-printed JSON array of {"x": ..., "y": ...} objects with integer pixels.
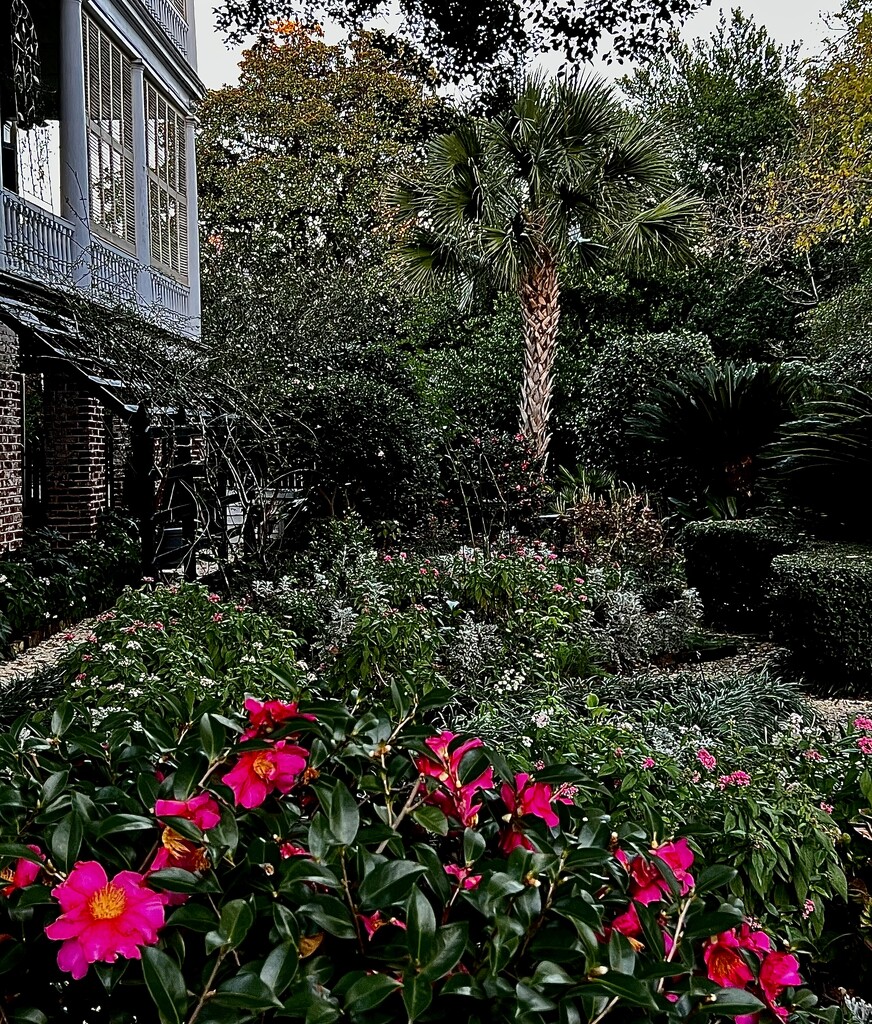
[
  {"x": 665, "y": 232},
  {"x": 639, "y": 156}
]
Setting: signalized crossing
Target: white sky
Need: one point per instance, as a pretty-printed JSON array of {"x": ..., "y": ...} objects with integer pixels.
[{"x": 787, "y": 20}]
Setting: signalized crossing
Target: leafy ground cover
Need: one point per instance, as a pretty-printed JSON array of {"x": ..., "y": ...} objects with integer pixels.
[{"x": 543, "y": 660}]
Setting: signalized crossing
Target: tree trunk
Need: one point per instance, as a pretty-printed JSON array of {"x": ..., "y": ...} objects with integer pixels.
[{"x": 540, "y": 309}]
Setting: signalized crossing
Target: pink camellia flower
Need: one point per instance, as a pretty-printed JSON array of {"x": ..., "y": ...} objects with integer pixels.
[
  {"x": 388, "y": 558},
  {"x": 813, "y": 755},
  {"x": 258, "y": 772},
  {"x": 649, "y": 762},
  {"x": 778, "y": 972},
  {"x": 725, "y": 964},
  {"x": 175, "y": 850},
  {"x": 268, "y": 716},
  {"x": 454, "y": 798},
  {"x": 557, "y": 588},
  {"x": 863, "y": 723},
  {"x": 213, "y": 599},
  {"x": 465, "y": 878},
  {"x": 865, "y": 744},
  {"x": 629, "y": 925},
  {"x": 102, "y": 920},
  {"x": 825, "y": 807},
  {"x": 23, "y": 874},
  {"x": 372, "y": 922},
  {"x": 707, "y": 760},
  {"x": 217, "y": 617},
  {"x": 288, "y": 850}
]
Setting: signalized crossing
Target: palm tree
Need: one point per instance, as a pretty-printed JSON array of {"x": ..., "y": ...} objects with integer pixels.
[{"x": 567, "y": 175}]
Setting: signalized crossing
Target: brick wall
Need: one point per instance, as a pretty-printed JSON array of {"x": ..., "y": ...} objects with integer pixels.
[
  {"x": 76, "y": 445},
  {"x": 11, "y": 443}
]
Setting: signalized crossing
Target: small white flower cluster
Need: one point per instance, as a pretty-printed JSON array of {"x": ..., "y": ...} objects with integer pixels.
[
  {"x": 511, "y": 681},
  {"x": 542, "y": 719}
]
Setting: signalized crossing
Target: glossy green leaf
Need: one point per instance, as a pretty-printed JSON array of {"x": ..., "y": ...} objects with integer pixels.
[
  {"x": 388, "y": 884},
  {"x": 165, "y": 984}
]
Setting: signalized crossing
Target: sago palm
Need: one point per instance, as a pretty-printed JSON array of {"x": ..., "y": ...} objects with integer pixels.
[{"x": 566, "y": 176}]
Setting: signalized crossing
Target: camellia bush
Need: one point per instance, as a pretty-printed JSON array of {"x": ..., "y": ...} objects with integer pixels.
[{"x": 303, "y": 863}]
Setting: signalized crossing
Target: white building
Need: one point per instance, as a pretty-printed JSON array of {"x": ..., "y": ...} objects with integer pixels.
[
  {"x": 98, "y": 202},
  {"x": 98, "y": 176}
]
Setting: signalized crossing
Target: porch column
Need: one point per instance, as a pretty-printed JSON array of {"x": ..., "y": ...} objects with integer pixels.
[
  {"x": 145, "y": 284},
  {"x": 193, "y": 225},
  {"x": 75, "y": 190}
]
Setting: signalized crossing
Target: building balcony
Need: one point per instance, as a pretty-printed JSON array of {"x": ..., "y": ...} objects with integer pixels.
[
  {"x": 39, "y": 246},
  {"x": 167, "y": 14}
]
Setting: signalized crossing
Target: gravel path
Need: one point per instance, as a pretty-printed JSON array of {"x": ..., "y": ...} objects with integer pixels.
[{"x": 45, "y": 655}]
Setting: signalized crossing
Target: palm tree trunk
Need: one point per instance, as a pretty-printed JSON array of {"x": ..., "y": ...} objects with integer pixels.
[{"x": 539, "y": 292}]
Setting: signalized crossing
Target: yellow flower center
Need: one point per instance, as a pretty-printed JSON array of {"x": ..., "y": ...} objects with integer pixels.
[
  {"x": 108, "y": 903},
  {"x": 7, "y": 875},
  {"x": 173, "y": 842},
  {"x": 263, "y": 766}
]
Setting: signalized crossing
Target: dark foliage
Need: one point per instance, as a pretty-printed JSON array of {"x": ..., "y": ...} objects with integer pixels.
[
  {"x": 821, "y": 456},
  {"x": 706, "y": 430},
  {"x": 462, "y": 37},
  {"x": 821, "y": 604},
  {"x": 728, "y": 562}
]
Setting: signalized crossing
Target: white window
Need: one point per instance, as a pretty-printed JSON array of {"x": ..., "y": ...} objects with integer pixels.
[
  {"x": 109, "y": 108},
  {"x": 167, "y": 183}
]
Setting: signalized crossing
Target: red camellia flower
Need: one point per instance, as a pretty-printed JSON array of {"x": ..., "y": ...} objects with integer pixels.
[
  {"x": 465, "y": 878},
  {"x": 777, "y": 972},
  {"x": 258, "y": 772},
  {"x": 23, "y": 874},
  {"x": 454, "y": 798},
  {"x": 266, "y": 717},
  {"x": 288, "y": 850},
  {"x": 102, "y": 920},
  {"x": 647, "y": 884},
  {"x": 728, "y": 967},
  {"x": 372, "y": 922},
  {"x": 527, "y": 798},
  {"x": 725, "y": 964},
  {"x": 175, "y": 850}
]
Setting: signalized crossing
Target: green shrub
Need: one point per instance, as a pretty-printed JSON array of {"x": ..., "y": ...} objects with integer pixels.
[
  {"x": 623, "y": 377},
  {"x": 821, "y": 603},
  {"x": 728, "y": 563},
  {"x": 315, "y": 865},
  {"x": 47, "y": 583},
  {"x": 706, "y": 431},
  {"x": 723, "y": 708},
  {"x": 177, "y": 639}
]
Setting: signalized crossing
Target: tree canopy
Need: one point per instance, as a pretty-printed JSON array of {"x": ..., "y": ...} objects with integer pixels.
[
  {"x": 731, "y": 97},
  {"x": 462, "y": 37},
  {"x": 293, "y": 157}
]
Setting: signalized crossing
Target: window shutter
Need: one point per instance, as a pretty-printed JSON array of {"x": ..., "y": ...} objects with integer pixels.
[
  {"x": 167, "y": 171},
  {"x": 108, "y": 96}
]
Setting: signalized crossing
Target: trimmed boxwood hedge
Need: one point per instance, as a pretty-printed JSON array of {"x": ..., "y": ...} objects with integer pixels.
[
  {"x": 728, "y": 563},
  {"x": 821, "y": 609}
]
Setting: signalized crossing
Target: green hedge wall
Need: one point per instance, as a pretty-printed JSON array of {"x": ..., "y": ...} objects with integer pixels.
[
  {"x": 728, "y": 563},
  {"x": 821, "y": 609}
]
